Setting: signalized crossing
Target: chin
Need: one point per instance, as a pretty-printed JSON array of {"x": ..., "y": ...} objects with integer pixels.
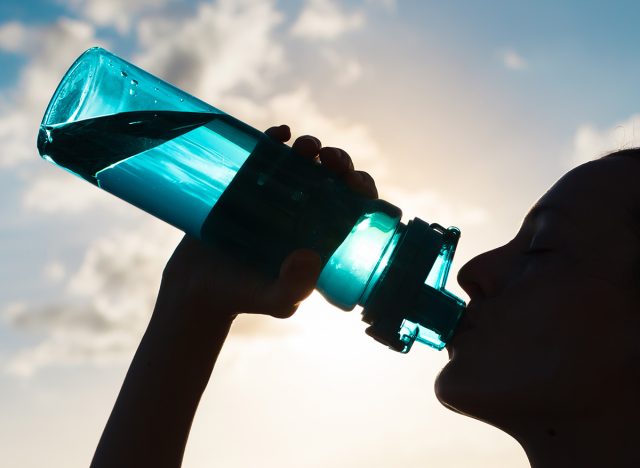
[
  {"x": 466, "y": 393},
  {"x": 478, "y": 394},
  {"x": 450, "y": 391}
]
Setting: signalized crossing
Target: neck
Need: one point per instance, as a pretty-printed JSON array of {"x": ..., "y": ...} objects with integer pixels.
[{"x": 608, "y": 439}]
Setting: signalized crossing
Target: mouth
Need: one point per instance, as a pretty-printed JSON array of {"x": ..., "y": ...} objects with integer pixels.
[{"x": 465, "y": 326}]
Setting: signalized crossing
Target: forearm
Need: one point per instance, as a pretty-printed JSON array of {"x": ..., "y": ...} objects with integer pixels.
[
  {"x": 203, "y": 287},
  {"x": 150, "y": 422}
]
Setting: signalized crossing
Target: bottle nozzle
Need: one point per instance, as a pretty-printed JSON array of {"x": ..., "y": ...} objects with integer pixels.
[{"x": 410, "y": 302}]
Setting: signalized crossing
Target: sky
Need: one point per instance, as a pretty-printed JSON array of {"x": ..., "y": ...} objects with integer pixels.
[{"x": 464, "y": 112}]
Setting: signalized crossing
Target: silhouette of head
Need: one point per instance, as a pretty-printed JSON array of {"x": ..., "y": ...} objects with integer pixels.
[{"x": 552, "y": 327}]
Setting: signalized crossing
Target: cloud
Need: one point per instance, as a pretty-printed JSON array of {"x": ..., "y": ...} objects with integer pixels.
[
  {"x": 224, "y": 45},
  {"x": 119, "y": 14},
  {"x": 513, "y": 60},
  {"x": 346, "y": 70},
  {"x": 325, "y": 20},
  {"x": 105, "y": 303},
  {"x": 434, "y": 208},
  {"x": 61, "y": 193},
  {"x": 50, "y": 50},
  {"x": 54, "y": 271},
  {"x": 591, "y": 142},
  {"x": 15, "y": 37},
  {"x": 298, "y": 109}
]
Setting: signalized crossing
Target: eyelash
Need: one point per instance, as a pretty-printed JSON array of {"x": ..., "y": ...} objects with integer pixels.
[{"x": 536, "y": 251}]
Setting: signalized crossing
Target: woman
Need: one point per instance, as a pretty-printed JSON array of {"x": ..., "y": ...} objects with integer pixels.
[
  {"x": 531, "y": 356},
  {"x": 549, "y": 351}
]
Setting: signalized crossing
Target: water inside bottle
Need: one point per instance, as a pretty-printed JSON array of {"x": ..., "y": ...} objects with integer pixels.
[{"x": 175, "y": 165}]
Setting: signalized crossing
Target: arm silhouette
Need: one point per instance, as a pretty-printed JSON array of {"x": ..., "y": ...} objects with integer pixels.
[{"x": 201, "y": 292}]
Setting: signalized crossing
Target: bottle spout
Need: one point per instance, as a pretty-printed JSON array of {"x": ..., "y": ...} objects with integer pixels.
[
  {"x": 411, "y": 302},
  {"x": 434, "y": 319},
  {"x": 437, "y": 311}
]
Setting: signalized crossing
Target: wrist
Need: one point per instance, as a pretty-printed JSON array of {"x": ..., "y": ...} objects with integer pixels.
[
  {"x": 183, "y": 302},
  {"x": 183, "y": 348},
  {"x": 186, "y": 321}
]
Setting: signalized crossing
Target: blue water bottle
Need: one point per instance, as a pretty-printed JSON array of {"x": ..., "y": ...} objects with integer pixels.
[{"x": 222, "y": 181}]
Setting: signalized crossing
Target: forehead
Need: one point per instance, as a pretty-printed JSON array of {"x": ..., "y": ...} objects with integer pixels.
[{"x": 599, "y": 191}]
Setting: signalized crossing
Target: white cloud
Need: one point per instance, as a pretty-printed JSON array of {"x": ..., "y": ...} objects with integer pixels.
[
  {"x": 434, "y": 208},
  {"x": 15, "y": 37},
  {"x": 73, "y": 334},
  {"x": 513, "y": 60},
  {"x": 51, "y": 49},
  {"x": 325, "y": 20},
  {"x": 61, "y": 193},
  {"x": 346, "y": 70},
  {"x": 591, "y": 142},
  {"x": 298, "y": 109},
  {"x": 226, "y": 44},
  {"x": 105, "y": 305},
  {"x": 117, "y": 13},
  {"x": 54, "y": 271}
]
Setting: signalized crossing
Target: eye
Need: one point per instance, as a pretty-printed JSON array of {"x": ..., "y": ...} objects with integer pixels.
[
  {"x": 537, "y": 251},
  {"x": 539, "y": 245}
]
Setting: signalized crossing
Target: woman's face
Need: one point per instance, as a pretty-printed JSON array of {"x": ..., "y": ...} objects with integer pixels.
[{"x": 552, "y": 324}]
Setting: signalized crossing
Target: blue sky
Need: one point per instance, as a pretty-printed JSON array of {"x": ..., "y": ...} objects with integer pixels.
[{"x": 464, "y": 112}]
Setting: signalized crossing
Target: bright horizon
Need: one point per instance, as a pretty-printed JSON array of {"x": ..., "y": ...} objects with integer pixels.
[{"x": 463, "y": 114}]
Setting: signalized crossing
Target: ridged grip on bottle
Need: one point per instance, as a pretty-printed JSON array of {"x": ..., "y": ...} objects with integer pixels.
[{"x": 279, "y": 202}]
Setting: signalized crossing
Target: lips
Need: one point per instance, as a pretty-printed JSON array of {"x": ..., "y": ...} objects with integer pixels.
[{"x": 465, "y": 326}]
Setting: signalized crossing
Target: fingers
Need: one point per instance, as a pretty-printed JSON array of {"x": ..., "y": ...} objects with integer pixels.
[
  {"x": 298, "y": 276},
  {"x": 281, "y": 133},
  {"x": 361, "y": 182},
  {"x": 307, "y": 146},
  {"x": 336, "y": 160}
]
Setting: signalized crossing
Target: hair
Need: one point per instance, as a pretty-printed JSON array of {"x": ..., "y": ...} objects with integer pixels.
[{"x": 633, "y": 153}]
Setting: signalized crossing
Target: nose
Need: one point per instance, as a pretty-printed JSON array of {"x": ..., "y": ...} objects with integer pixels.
[{"x": 479, "y": 275}]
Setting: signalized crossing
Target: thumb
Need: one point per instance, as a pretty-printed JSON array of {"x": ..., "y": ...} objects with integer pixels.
[{"x": 298, "y": 276}]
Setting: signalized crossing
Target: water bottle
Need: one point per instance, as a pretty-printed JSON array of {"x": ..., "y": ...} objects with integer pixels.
[{"x": 222, "y": 181}]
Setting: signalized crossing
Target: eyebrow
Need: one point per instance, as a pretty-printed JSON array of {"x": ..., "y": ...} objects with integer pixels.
[{"x": 540, "y": 209}]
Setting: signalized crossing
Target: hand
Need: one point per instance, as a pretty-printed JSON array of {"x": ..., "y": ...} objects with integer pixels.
[
  {"x": 202, "y": 289},
  {"x": 205, "y": 281}
]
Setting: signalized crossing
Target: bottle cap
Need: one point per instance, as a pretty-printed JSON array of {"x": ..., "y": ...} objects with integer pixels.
[{"x": 410, "y": 301}]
